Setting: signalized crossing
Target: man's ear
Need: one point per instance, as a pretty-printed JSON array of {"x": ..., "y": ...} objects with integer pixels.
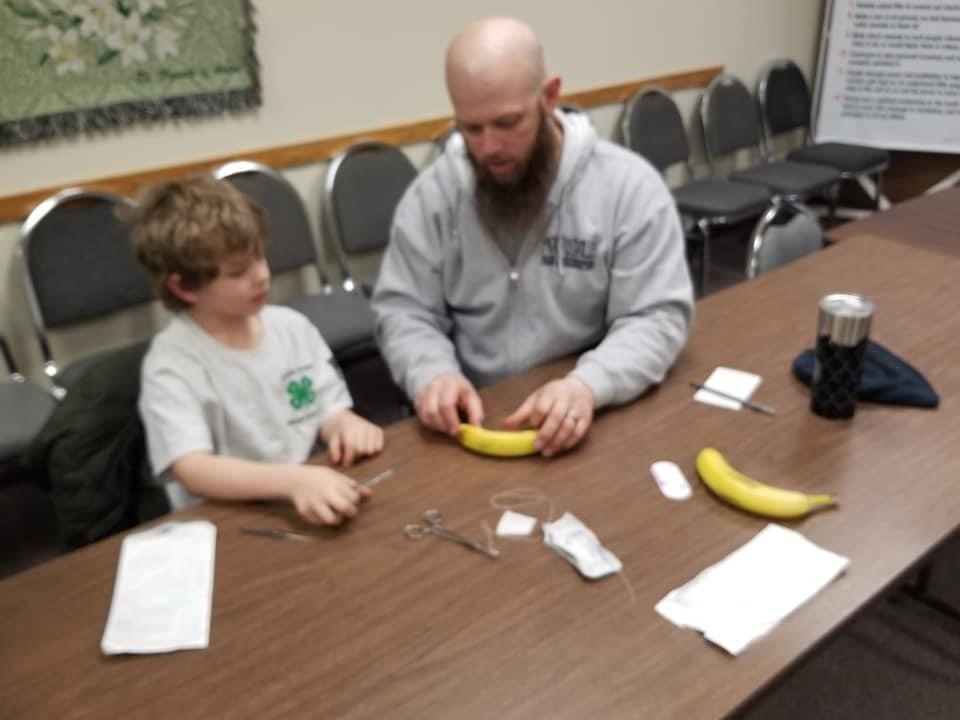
[
  {"x": 551, "y": 92},
  {"x": 174, "y": 283}
]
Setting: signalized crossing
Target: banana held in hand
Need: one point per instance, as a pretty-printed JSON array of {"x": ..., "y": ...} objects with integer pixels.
[
  {"x": 502, "y": 443},
  {"x": 756, "y": 497}
]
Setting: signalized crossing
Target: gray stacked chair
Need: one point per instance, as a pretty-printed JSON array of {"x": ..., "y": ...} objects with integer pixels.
[
  {"x": 79, "y": 267},
  {"x": 784, "y": 100},
  {"x": 652, "y": 126},
  {"x": 784, "y": 233},
  {"x": 344, "y": 319},
  {"x": 28, "y": 531},
  {"x": 730, "y": 124},
  {"x": 362, "y": 189},
  {"x": 24, "y": 408}
]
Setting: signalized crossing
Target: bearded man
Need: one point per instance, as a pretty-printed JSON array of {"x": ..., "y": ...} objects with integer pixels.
[{"x": 528, "y": 240}]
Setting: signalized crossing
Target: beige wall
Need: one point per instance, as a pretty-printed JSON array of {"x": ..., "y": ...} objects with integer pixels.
[{"x": 343, "y": 65}]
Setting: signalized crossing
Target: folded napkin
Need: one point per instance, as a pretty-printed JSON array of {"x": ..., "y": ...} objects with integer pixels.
[
  {"x": 746, "y": 594},
  {"x": 886, "y": 379}
]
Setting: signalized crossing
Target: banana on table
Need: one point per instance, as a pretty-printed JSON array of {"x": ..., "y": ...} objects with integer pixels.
[
  {"x": 501, "y": 443},
  {"x": 746, "y": 493}
]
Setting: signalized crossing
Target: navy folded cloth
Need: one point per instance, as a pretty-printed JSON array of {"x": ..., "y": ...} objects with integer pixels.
[{"x": 886, "y": 378}]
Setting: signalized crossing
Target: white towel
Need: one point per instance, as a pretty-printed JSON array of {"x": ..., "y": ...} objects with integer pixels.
[{"x": 746, "y": 594}]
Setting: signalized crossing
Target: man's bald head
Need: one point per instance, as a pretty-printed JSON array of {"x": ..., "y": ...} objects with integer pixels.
[{"x": 494, "y": 55}]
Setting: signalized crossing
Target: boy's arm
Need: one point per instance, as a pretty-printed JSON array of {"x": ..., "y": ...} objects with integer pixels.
[{"x": 321, "y": 495}]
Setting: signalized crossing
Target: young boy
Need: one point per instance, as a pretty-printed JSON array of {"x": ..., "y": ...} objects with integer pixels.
[{"x": 234, "y": 392}]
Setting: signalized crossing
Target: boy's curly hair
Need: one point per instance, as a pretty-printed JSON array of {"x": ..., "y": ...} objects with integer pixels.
[{"x": 188, "y": 227}]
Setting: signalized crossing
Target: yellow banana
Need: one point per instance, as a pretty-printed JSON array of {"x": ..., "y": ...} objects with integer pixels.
[
  {"x": 503, "y": 443},
  {"x": 749, "y": 494}
]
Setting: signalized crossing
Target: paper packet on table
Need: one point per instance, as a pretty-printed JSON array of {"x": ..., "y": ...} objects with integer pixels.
[
  {"x": 163, "y": 593},
  {"x": 576, "y": 543},
  {"x": 745, "y": 595},
  {"x": 736, "y": 383}
]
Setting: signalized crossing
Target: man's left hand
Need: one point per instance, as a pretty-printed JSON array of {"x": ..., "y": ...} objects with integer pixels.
[{"x": 562, "y": 409}]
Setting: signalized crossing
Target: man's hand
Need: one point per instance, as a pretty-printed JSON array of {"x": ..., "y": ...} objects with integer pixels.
[
  {"x": 439, "y": 402},
  {"x": 562, "y": 409},
  {"x": 349, "y": 437},
  {"x": 323, "y": 496}
]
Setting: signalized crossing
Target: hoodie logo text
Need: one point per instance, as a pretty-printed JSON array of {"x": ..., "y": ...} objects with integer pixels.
[{"x": 573, "y": 252}]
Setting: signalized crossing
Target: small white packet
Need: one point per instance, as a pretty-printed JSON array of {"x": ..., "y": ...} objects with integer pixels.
[
  {"x": 163, "y": 592},
  {"x": 514, "y": 524},
  {"x": 575, "y": 542},
  {"x": 738, "y": 383}
]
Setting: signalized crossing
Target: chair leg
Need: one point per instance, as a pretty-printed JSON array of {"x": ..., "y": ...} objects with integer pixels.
[
  {"x": 832, "y": 200},
  {"x": 704, "y": 228},
  {"x": 879, "y": 186},
  {"x": 919, "y": 591}
]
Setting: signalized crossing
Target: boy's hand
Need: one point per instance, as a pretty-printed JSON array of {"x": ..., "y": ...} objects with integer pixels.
[
  {"x": 323, "y": 496},
  {"x": 349, "y": 437}
]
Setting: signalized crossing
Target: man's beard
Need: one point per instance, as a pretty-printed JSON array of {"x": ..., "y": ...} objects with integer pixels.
[{"x": 514, "y": 206}]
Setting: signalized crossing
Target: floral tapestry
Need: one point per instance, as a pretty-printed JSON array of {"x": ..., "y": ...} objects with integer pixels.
[{"x": 72, "y": 65}]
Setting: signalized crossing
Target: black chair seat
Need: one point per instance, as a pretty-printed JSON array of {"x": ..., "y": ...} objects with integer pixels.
[
  {"x": 792, "y": 179},
  {"x": 26, "y": 408},
  {"x": 345, "y": 321},
  {"x": 852, "y": 159},
  {"x": 710, "y": 198}
]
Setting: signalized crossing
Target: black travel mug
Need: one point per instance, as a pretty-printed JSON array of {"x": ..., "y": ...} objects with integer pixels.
[{"x": 843, "y": 327}]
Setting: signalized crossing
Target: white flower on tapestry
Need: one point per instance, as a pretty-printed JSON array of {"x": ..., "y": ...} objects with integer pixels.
[
  {"x": 64, "y": 51},
  {"x": 129, "y": 38},
  {"x": 78, "y": 35}
]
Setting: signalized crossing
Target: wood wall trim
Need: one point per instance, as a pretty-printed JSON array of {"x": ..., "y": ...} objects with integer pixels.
[{"x": 13, "y": 208}]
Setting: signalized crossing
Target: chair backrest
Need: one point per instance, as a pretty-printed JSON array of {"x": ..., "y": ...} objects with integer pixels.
[
  {"x": 291, "y": 240},
  {"x": 729, "y": 117},
  {"x": 653, "y": 127},
  {"x": 79, "y": 261},
  {"x": 784, "y": 98},
  {"x": 785, "y": 232},
  {"x": 362, "y": 189}
]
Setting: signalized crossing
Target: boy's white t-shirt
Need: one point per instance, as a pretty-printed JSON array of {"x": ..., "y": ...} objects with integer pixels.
[{"x": 264, "y": 404}]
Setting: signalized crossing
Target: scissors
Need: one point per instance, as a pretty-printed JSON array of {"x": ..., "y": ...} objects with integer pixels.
[{"x": 432, "y": 524}]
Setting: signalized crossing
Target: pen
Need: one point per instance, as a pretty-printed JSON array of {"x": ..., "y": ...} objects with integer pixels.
[{"x": 752, "y": 404}]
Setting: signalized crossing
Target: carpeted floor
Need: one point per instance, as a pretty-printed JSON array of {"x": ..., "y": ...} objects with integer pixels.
[{"x": 897, "y": 660}]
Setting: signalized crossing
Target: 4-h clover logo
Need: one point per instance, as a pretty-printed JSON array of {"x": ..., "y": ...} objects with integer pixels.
[{"x": 301, "y": 392}]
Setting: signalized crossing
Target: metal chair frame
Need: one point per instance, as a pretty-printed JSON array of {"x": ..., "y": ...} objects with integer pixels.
[
  {"x": 767, "y": 133},
  {"x": 33, "y": 220},
  {"x": 329, "y": 220},
  {"x": 703, "y": 225},
  {"x": 759, "y": 234},
  {"x": 757, "y": 144},
  {"x": 243, "y": 167}
]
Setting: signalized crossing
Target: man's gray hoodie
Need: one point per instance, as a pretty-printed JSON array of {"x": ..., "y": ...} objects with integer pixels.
[{"x": 607, "y": 275}]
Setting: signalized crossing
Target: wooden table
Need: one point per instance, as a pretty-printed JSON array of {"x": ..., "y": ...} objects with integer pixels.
[
  {"x": 929, "y": 221},
  {"x": 364, "y": 623}
]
